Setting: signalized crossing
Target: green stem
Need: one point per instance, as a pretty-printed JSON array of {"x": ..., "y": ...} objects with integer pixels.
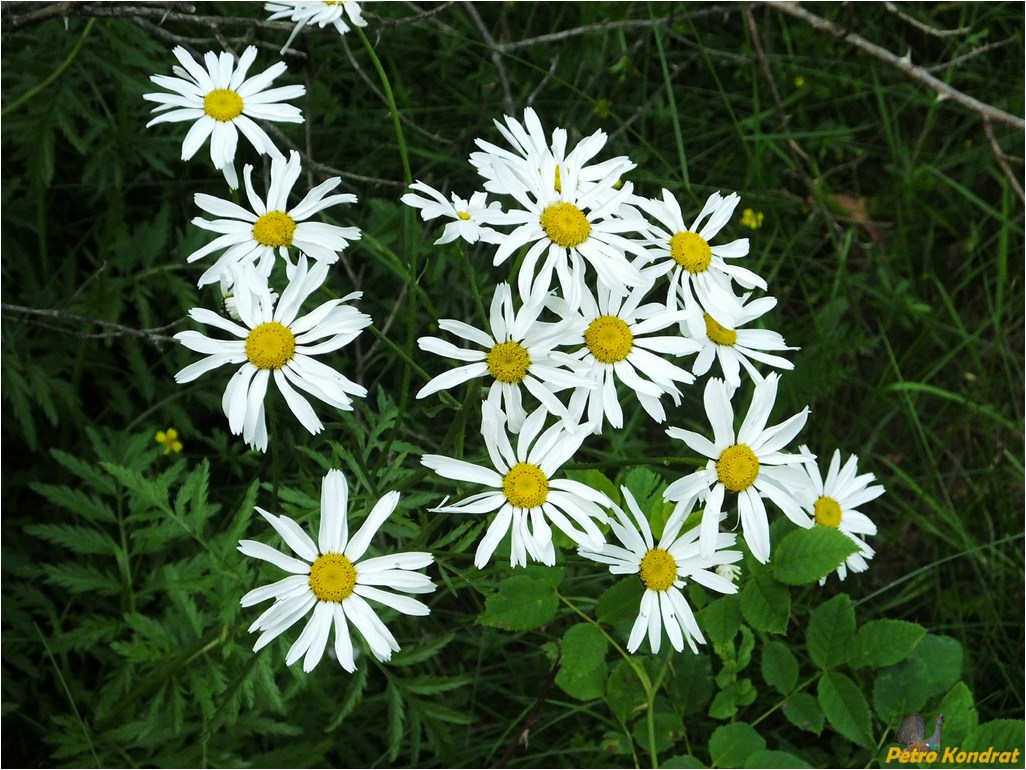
[
  {"x": 28, "y": 95},
  {"x": 390, "y": 97}
]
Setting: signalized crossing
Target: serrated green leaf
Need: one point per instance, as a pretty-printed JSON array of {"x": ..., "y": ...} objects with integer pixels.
[
  {"x": 76, "y": 501},
  {"x": 690, "y": 686},
  {"x": 682, "y": 762},
  {"x": 831, "y": 629},
  {"x": 522, "y": 603},
  {"x": 803, "y": 711},
  {"x": 765, "y": 603},
  {"x": 900, "y": 690},
  {"x": 625, "y": 695},
  {"x": 1004, "y": 736},
  {"x": 730, "y": 745},
  {"x": 148, "y": 491},
  {"x": 882, "y": 643},
  {"x": 767, "y": 758},
  {"x": 82, "y": 540},
  {"x": 960, "y": 715},
  {"x": 779, "y": 667},
  {"x": 943, "y": 657},
  {"x": 806, "y": 555},
  {"x": 721, "y": 619},
  {"x": 354, "y": 694},
  {"x": 668, "y": 729},
  {"x": 582, "y": 670},
  {"x": 83, "y": 579},
  {"x": 421, "y": 651},
  {"x": 396, "y": 720},
  {"x": 621, "y": 602},
  {"x": 845, "y": 708}
]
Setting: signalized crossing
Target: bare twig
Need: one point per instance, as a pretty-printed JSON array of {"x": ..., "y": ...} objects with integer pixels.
[
  {"x": 496, "y": 56},
  {"x": 901, "y": 63},
  {"x": 923, "y": 26},
  {"x": 967, "y": 56},
  {"x": 1002, "y": 161},
  {"x": 153, "y": 335}
]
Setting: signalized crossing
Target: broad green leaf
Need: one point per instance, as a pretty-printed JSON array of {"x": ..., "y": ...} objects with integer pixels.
[
  {"x": 831, "y": 629},
  {"x": 960, "y": 717},
  {"x": 730, "y": 745},
  {"x": 682, "y": 762},
  {"x": 779, "y": 667},
  {"x": 689, "y": 684},
  {"x": 943, "y": 657},
  {"x": 882, "y": 643},
  {"x": 728, "y": 700},
  {"x": 582, "y": 670},
  {"x": 522, "y": 603},
  {"x": 1000, "y": 743},
  {"x": 765, "y": 604},
  {"x": 668, "y": 730},
  {"x": 624, "y": 694},
  {"x": 900, "y": 690},
  {"x": 845, "y": 708},
  {"x": 620, "y": 602},
  {"x": 806, "y": 555},
  {"x": 772, "y": 759},
  {"x": 721, "y": 619},
  {"x": 803, "y": 711}
]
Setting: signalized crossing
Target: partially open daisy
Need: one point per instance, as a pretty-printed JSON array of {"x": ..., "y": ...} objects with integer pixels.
[
  {"x": 721, "y": 337},
  {"x": 469, "y": 218},
  {"x": 617, "y": 340},
  {"x": 834, "y": 502},
  {"x": 275, "y": 341},
  {"x": 319, "y": 12},
  {"x": 524, "y": 489},
  {"x": 697, "y": 268},
  {"x": 331, "y": 581},
  {"x": 270, "y": 226},
  {"x": 748, "y": 464},
  {"x": 518, "y": 352},
  {"x": 664, "y": 569},
  {"x": 223, "y": 103}
]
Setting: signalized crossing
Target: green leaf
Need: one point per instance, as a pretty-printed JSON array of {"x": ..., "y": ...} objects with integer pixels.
[
  {"x": 900, "y": 690},
  {"x": 765, "y": 604},
  {"x": 845, "y": 708},
  {"x": 620, "y": 602},
  {"x": 803, "y": 711},
  {"x": 624, "y": 694},
  {"x": 943, "y": 657},
  {"x": 690, "y": 684},
  {"x": 76, "y": 501},
  {"x": 82, "y": 540},
  {"x": 730, "y": 745},
  {"x": 522, "y": 603},
  {"x": 728, "y": 700},
  {"x": 721, "y": 619},
  {"x": 668, "y": 730},
  {"x": 960, "y": 717},
  {"x": 806, "y": 555},
  {"x": 396, "y": 720},
  {"x": 882, "y": 643},
  {"x": 683, "y": 762},
  {"x": 1004, "y": 736},
  {"x": 768, "y": 758},
  {"x": 779, "y": 667},
  {"x": 582, "y": 671},
  {"x": 831, "y": 629}
]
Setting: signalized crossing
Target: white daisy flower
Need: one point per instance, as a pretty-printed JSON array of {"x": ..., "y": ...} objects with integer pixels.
[
  {"x": 331, "y": 581},
  {"x": 524, "y": 491},
  {"x": 664, "y": 570},
  {"x": 619, "y": 345},
  {"x": 275, "y": 341},
  {"x": 320, "y": 13},
  {"x": 748, "y": 464},
  {"x": 722, "y": 338},
  {"x": 697, "y": 268},
  {"x": 518, "y": 352},
  {"x": 224, "y": 103},
  {"x": 469, "y": 217},
  {"x": 254, "y": 235},
  {"x": 834, "y": 502}
]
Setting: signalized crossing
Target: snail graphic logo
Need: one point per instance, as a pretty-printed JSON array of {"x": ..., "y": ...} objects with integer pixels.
[{"x": 912, "y": 730}]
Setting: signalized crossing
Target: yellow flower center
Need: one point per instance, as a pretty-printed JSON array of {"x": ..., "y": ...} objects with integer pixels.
[
  {"x": 719, "y": 334},
  {"x": 223, "y": 104},
  {"x": 508, "y": 361},
  {"x": 828, "y": 512},
  {"x": 332, "y": 577},
  {"x": 275, "y": 228},
  {"x": 658, "y": 570},
  {"x": 565, "y": 224},
  {"x": 464, "y": 215},
  {"x": 737, "y": 467},
  {"x": 691, "y": 251},
  {"x": 525, "y": 486},
  {"x": 609, "y": 339},
  {"x": 270, "y": 345}
]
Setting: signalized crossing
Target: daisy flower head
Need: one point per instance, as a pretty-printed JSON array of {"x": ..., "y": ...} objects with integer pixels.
[
  {"x": 321, "y": 13},
  {"x": 721, "y": 337},
  {"x": 697, "y": 268},
  {"x": 270, "y": 226},
  {"x": 222, "y": 103},
  {"x": 524, "y": 489},
  {"x": 748, "y": 463},
  {"x": 469, "y": 217},
  {"x": 273, "y": 340},
  {"x": 517, "y": 353},
  {"x": 331, "y": 581},
  {"x": 834, "y": 502},
  {"x": 619, "y": 344},
  {"x": 664, "y": 569}
]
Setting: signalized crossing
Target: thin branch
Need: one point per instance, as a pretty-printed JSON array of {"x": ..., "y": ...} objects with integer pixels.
[
  {"x": 903, "y": 64},
  {"x": 153, "y": 335},
  {"x": 923, "y": 26},
  {"x": 496, "y": 56},
  {"x": 1002, "y": 161}
]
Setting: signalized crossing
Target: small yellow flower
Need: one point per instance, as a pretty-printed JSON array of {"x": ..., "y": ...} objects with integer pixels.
[
  {"x": 799, "y": 82},
  {"x": 751, "y": 219},
  {"x": 169, "y": 439}
]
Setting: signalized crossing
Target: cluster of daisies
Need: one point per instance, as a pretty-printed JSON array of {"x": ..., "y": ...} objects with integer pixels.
[
  {"x": 619, "y": 299},
  {"x": 268, "y": 242},
  {"x": 616, "y": 299}
]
